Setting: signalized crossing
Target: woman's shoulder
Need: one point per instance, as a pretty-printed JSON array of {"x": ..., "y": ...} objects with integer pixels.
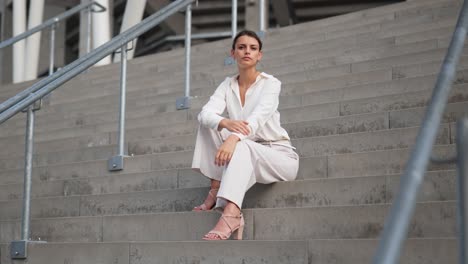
[{"x": 270, "y": 78}]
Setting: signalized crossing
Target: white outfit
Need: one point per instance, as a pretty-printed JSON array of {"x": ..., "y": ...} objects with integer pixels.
[{"x": 264, "y": 156}]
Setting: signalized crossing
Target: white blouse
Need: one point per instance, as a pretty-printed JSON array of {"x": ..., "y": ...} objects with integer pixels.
[{"x": 260, "y": 109}]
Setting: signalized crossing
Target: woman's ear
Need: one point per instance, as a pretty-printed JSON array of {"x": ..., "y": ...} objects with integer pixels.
[
  {"x": 260, "y": 55},
  {"x": 232, "y": 54}
]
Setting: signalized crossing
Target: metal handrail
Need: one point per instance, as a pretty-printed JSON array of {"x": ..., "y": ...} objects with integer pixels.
[
  {"x": 396, "y": 227},
  {"x": 50, "y": 22},
  {"x": 26, "y": 98},
  {"x": 38, "y": 90}
]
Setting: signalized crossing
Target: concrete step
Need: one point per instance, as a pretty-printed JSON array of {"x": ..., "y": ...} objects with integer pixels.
[
  {"x": 355, "y": 130},
  {"x": 175, "y": 95},
  {"x": 437, "y": 186},
  {"x": 397, "y": 72},
  {"x": 318, "y": 192},
  {"x": 427, "y": 58},
  {"x": 15, "y": 159},
  {"x": 397, "y": 102},
  {"x": 335, "y": 94},
  {"x": 355, "y": 251},
  {"x": 342, "y": 165},
  {"x": 399, "y": 11},
  {"x": 295, "y": 130},
  {"x": 181, "y": 128},
  {"x": 310, "y": 146},
  {"x": 431, "y": 220},
  {"x": 390, "y": 17},
  {"x": 117, "y": 183},
  {"x": 248, "y": 252},
  {"x": 332, "y": 51},
  {"x": 360, "y": 18}
]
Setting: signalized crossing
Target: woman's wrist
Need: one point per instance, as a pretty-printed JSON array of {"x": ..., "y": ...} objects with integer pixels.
[{"x": 233, "y": 138}]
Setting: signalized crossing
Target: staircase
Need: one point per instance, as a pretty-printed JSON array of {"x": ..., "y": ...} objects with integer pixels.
[{"x": 353, "y": 96}]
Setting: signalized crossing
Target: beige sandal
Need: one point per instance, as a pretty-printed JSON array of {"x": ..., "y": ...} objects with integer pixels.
[
  {"x": 209, "y": 202},
  {"x": 225, "y": 235}
]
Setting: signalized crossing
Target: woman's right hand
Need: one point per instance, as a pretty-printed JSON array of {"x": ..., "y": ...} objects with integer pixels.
[{"x": 237, "y": 126}]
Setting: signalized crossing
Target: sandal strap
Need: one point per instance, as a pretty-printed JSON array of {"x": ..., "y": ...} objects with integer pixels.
[
  {"x": 210, "y": 192},
  {"x": 230, "y": 216},
  {"x": 220, "y": 234}
]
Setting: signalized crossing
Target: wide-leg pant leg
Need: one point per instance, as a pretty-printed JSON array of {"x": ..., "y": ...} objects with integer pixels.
[
  {"x": 253, "y": 162},
  {"x": 206, "y": 146}
]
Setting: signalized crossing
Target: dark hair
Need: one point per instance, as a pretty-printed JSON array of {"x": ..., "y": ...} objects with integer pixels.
[{"x": 248, "y": 33}]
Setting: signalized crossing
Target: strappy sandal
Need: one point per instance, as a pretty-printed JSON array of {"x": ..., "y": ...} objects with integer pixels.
[
  {"x": 239, "y": 229},
  {"x": 209, "y": 202}
]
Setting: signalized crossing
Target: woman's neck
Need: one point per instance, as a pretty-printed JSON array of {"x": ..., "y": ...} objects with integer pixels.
[{"x": 247, "y": 76}]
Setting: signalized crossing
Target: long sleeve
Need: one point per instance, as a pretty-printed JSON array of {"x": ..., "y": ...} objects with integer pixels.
[
  {"x": 266, "y": 107},
  {"x": 210, "y": 115}
]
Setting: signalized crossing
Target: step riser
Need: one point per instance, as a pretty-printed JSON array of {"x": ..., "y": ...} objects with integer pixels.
[
  {"x": 354, "y": 164},
  {"x": 268, "y": 252},
  {"x": 306, "y": 147},
  {"x": 431, "y": 220},
  {"x": 327, "y": 192}
]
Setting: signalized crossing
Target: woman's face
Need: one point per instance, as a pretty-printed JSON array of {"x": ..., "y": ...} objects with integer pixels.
[{"x": 247, "y": 52}]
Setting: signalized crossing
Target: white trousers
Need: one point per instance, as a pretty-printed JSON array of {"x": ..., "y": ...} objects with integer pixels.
[{"x": 251, "y": 162}]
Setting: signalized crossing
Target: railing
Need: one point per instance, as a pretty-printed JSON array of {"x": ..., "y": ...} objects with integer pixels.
[
  {"x": 26, "y": 99},
  {"x": 52, "y": 24},
  {"x": 395, "y": 230},
  {"x": 221, "y": 34}
]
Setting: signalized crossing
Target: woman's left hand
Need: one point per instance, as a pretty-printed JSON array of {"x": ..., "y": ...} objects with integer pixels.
[{"x": 225, "y": 151}]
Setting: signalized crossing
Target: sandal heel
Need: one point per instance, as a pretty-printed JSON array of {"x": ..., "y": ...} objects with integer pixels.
[{"x": 239, "y": 233}]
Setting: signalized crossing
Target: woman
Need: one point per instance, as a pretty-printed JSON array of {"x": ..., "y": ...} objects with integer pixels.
[{"x": 248, "y": 147}]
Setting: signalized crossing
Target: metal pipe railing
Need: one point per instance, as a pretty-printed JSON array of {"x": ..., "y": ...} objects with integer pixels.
[
  {"x": 123, "y": 98},
  {"x": 47, "y": 85},
  {"x": 115, "y": 163},
  {"x": 184, "y": 102},
  {"x": 188, "y": 44},
  {"x": 52, "y": 48},
  {"x": 26, "y": 99},
  {"x": 396, "y": 227},
  {"x": 462, "y": 166},
  {"x": 234, "y": 18},
  {"x": 49, "y": 23},
  {"x": 262, "y": 16},
  {"x": 25, "y": 231}
]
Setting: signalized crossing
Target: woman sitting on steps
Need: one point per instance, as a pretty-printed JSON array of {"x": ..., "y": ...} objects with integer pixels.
[{"x": 248, "y": 147}]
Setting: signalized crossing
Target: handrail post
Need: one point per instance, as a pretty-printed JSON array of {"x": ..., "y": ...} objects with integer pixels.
[
  {"x": 19, "y": 248},
  {"x": 117, "y": 162},
  {"x": 234, "y": 18},
  {"x": 29, "y": 141},
  {"x": 462, "y": 163},
  {"x": 396, "y": 226},
  {"x": 229, "y": 60},
  {"x": 184, "y": 102},
  {"x": 123, "y": 97},
  {"x": 262, "y": 17},
  {"x": 88, "y": 30},
  {"x": 52, "y": 47}
]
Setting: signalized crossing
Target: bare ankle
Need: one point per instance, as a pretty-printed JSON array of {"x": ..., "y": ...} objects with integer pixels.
[
  {"x": 215, "y": 184},
  {"x": 231, "y": 209}
]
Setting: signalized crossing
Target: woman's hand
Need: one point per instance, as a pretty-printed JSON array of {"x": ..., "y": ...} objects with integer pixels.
[
  {"x": 225, "y": 151},
  {"x": 238, "y": 126}
]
